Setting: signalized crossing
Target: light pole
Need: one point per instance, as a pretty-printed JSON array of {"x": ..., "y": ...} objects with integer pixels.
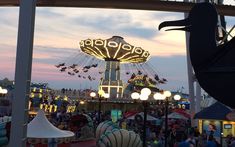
[
  {"x": 101, "y": 95},
  {"x": 165, "y": 96},
  {"x": 143, "y": 96}
]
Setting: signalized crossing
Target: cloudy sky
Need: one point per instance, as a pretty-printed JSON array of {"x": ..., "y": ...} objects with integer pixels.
[{"x": 59, "y": 30}]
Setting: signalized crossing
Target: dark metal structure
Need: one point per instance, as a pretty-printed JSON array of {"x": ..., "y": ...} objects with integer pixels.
[
  {"x": 166, "y": 122},
  {"x": 214, "y": 66},
  {"x": 156, "y": 5},
  {"x": 216, "y": 111},
  {"x": 145, "y": 104}
]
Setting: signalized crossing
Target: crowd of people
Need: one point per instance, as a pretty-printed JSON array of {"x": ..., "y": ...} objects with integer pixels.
[
  {"x": 230, "y": 140},
  {"x": 180, "y": 133}
]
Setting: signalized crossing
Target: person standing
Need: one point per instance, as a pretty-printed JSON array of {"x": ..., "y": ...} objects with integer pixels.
[
  {"x": 211, "y": 142},
  {"x": 190, "y": 142},
  {"x": 232, "y": 144}
]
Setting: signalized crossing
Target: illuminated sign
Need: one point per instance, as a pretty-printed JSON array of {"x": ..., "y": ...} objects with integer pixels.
[
  {"x": 71, "y": 109},
  {"x": 227, "y": 126},
  {"x": 115, "y": 115},
  {"x": 48, "y": 108}
]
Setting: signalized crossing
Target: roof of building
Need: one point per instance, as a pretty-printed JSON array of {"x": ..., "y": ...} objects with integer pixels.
[{"x": 216, "y": 111}]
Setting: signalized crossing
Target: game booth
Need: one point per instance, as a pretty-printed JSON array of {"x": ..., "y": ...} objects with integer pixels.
[{"x": 217, "y": 119}]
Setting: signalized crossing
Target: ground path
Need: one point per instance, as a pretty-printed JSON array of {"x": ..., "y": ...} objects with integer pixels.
[{"x": 91, "y": 143}]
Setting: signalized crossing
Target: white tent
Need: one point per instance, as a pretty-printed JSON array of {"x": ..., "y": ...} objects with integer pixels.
[
  {"x": 175, "y": 115},
  {"x": 40, "y": 127},
  {"x": 5, "y": 119},
  {"x": 149, "y": 117}
]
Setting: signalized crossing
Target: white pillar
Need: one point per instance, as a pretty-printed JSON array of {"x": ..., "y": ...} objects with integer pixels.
[
  {"x": 22, "y": 73},
  {"x": 198, "y": 97},
  {"x": 191, "y": 77}
]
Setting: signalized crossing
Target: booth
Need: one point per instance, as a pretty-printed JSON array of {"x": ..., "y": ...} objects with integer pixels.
[
  {"x": 229, "y": 126},
  {"x": 215, "y": 119}
]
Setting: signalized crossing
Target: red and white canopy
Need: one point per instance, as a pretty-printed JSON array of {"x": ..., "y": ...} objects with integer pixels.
[
  {"x": 149, "y": 117},
  {"x": 176, "y": 115}
]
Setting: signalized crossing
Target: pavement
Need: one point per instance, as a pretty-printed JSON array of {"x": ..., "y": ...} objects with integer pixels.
[{"x": 90, "y": 143}]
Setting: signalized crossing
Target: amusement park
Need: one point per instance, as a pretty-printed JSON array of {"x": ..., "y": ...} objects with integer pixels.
[{"x": 122, "y": 97}]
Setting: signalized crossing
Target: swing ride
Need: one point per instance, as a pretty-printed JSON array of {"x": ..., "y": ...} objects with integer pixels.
[{"x": 112, "y": 61}]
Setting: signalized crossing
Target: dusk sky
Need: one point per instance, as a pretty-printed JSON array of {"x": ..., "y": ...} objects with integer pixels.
[{"x": 59, "y": 30}]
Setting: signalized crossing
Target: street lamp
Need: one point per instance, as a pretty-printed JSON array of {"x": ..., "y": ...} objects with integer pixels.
[
  {"x": 135, "y": 95},
  {"x": 82, "y": 102},
  {"x": 92, "y": 94},
  {"x": 165, "y": 96},
  {"x": 145, "y": 91},
  {"x": 101, "y": 94},
  {"x": 177, "y": 97},
  {"x": 106, "y": 95},
  {"x": 143, "y": 96},
  {"x": 3, "y": 92}
]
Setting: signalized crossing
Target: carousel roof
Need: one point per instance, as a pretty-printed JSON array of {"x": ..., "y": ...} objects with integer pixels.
[
  {"x": 114, "y": 49},
  {"x": 40, "y": 127}
]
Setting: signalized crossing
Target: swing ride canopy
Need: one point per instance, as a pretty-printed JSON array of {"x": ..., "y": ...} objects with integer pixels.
[{"x": 114, "y": 49}]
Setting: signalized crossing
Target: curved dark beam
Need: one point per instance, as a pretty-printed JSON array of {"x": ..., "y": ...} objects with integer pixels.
[{"x": 155, "y": 5}]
